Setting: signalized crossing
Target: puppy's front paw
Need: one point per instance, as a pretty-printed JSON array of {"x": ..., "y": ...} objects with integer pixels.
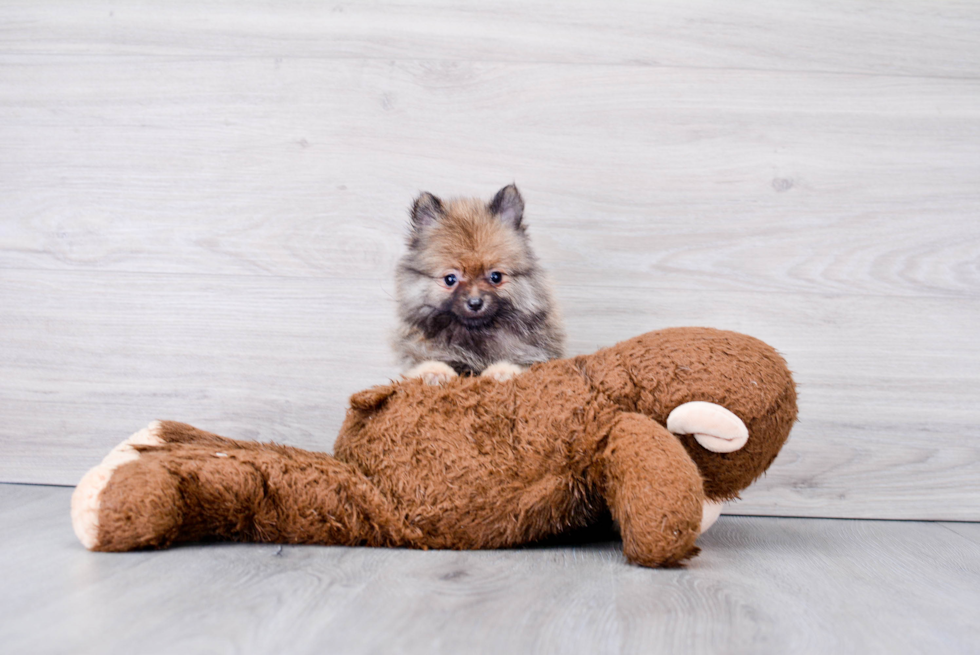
[
  {"x": 502, "y": 371},
  {"x": 432, "y": 372}
]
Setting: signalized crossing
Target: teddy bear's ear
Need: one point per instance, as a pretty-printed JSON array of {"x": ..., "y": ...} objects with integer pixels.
[{"x": 370, "y": 399}]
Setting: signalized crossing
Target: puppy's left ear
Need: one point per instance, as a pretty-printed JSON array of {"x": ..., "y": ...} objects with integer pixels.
[{"x": 508, "y": 206}]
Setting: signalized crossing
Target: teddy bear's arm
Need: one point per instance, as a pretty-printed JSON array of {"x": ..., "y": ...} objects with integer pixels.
[{"x": 654, "y": 491}]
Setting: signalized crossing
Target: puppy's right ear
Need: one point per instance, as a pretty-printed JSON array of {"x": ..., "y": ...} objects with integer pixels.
[
  {"x": 426, "y": 210},
  {"x": 508, "y": 206}
]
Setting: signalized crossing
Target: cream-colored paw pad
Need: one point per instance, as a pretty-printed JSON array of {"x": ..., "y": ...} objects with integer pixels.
[
  {"x": 710, "y": 512},
  {"x": 502, "y": 371},
  {"x": 714, "y": 427},
  {"x": 432, "y": 372},
  {"x": 85, "y": 499}
]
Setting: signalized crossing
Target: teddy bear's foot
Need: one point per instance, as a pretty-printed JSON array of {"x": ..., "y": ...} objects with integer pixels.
[
  {"x": 710, "y": 512},
  {"x": 502, "y": 371},
  {"x": 714, "y": 427},
  {"x": 432, "y": 372},
  {"x": 86, "y": 499}
]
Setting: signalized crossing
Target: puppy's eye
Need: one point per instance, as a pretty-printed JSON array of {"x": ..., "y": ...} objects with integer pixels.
[
  {"x": 496, "y": 277},
  {"x": 450, "y": 280}
]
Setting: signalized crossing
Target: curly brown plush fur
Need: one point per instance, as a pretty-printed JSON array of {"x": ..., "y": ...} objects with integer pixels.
[{"x": 472, "y": 464}]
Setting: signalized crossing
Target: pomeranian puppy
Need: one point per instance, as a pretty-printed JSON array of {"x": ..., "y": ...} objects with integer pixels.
[{"x": 472, "y": 299}]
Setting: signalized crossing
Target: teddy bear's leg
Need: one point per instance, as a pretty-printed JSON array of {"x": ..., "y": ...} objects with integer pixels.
[
  {"x": 153, "y": 493},
  {"x": 654, "y": 491},
  {"x": 86, "y": 499},
  {"x": 714, "y": 427},
  {"x": 277, "y": 494}
]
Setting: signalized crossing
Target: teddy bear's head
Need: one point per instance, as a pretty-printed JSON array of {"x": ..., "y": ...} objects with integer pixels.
[{"x": 655, "y": 373}]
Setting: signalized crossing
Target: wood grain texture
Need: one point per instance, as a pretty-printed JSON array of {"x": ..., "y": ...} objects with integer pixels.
[
  {"x": 203, "y": 204},
  {"x": 760, "y": 585},
  {"x": 937, "y": 39},
  {"x": 779, "y": 181}
]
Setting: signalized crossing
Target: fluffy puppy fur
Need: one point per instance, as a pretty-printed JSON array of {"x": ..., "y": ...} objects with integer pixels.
[{"x": 471, "y": 297}]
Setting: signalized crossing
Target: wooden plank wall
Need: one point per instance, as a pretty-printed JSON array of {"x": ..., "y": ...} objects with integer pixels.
[{"x": 201, "y": 205}]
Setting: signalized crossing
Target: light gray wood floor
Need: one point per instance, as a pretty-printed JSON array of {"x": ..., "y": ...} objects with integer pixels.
[{"x": 760, "y": 585}]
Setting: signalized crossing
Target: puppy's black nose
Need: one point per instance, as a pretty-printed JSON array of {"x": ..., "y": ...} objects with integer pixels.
[{"x": 474, "y": 304}]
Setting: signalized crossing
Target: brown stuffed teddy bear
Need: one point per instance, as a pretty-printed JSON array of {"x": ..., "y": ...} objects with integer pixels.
[{"x": 656, "y": 430}]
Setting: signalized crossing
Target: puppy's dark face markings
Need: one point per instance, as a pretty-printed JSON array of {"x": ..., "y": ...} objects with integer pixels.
[
  {"x": 473, "y": 298},
  {"x": 443, "y": 324},
  {"x": 459, "y": 305}
]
